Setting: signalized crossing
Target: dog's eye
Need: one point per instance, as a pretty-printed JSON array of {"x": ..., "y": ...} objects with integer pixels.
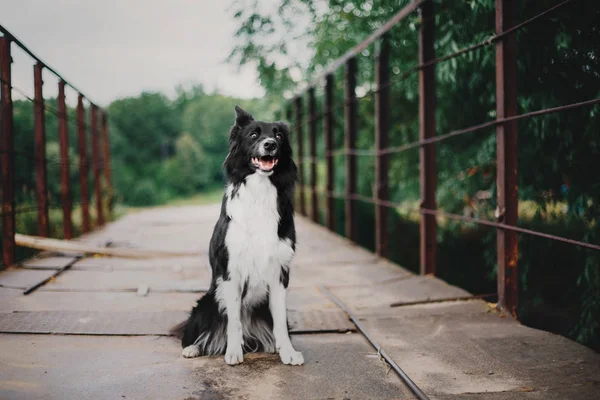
[
  {"x": 254, "y": 135},
  {"x": 278, "y": 136}
]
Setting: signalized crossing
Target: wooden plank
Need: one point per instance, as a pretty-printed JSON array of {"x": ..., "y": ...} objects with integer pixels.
[
  {"x": 146, "y": 323},
  {"x": 36, "y": 242}
]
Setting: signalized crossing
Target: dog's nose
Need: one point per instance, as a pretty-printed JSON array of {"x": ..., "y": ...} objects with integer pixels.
[{"x": 270, "y": 145}]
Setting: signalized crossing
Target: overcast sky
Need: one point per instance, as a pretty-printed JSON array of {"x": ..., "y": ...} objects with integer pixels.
[{"x": 116, "y": 48}]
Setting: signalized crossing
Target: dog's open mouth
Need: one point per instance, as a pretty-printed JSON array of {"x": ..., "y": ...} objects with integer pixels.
[{"x": 265, "y": 163}]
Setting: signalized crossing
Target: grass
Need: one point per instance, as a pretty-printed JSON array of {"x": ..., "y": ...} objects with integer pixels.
[{"x": 210, "y": 196}]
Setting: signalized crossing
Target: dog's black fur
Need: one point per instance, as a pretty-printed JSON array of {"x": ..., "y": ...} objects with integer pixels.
[{"x": 206, "y": 318}]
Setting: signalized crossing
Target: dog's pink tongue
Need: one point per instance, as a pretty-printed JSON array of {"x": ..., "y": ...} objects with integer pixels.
[{"x": 266, "y": 165}]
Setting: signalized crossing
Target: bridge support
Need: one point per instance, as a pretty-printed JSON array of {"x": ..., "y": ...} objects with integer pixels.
[
  {"x": 312, "y": 141},
  {"x": 107, "y": 169},
  {"x": 96, "y": 165},
  {"x": 328, "y": 126},
  {"x": 63, "y": 140},
  {"x": 300, "y": 155},
  {"x": 83, "y": 166},
  {"x": 7, "y": 157},
  {"x": 350, "y": 144},
  {"x": 428, "y": 225},
  {"x": 506, "y": 153},
  {"x": 40, "y": 152},
  {"x": 382, "y": 125}
]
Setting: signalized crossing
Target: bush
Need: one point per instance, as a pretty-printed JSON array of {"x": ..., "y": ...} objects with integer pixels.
[{"x": 144, "y": 193}]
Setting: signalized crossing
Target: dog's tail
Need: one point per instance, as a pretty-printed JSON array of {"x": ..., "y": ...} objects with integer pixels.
[
  {"x": 178, "y": 330},
  {"x": 207, "y": 328}
]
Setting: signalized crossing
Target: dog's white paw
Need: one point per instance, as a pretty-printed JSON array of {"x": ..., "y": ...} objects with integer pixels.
[
  {"x": 234, "y": 356},
  {"x": 290, "y": 356},
  {"x": 191, "y": 351}
]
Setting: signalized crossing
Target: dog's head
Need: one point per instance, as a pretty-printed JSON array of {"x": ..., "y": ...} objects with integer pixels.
[{"x": 259, "y": 147}]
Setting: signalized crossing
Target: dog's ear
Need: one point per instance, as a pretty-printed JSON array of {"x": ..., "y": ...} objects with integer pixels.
[
  {"x": 242, "y": 118},
  {"x": 283, "y": 126}
]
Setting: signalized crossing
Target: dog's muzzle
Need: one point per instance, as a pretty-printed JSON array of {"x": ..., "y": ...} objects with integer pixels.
[{"x": 267, "y": 159}]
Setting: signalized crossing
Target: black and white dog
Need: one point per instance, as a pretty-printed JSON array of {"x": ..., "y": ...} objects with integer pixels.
[{"x": 251, "y": 250}]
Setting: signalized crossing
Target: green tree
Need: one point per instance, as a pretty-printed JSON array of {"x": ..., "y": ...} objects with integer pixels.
[
  {"x": 188, "y": 171},
  {"x": 558, "y": 63}
]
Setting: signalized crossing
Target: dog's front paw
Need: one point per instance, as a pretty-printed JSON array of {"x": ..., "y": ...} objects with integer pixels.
[
  {"x": 234, "y": 356},
  {"x": 191, "y": 351},
  {"x": 290, "y": 356}
]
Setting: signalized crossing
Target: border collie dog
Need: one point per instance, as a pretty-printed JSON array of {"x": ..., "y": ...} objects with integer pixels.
[{"x": 251, "y": 249}]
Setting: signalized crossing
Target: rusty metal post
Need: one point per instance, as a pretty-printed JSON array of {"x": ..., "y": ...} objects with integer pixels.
[
  {"x": 63, "y": 140},
  {"x": 96, "y": 165},
  {"x": 506, "y": 152},
  {"x": 382, "y": 125},
  {"x": 350, "y": 143},
  {"x": 427, "y": 129},
  {"x": 312, "y": 141},
  {"x": 107, "y": 169},
  {"x": 7, "y": 158},
  {"x": 328, "y": 125},
  {"x": 289, "y": 115},
  {"x": 83, "y": 166},
  {"x": 299, "y": 122},
  {"x": 40, "y": 152}
]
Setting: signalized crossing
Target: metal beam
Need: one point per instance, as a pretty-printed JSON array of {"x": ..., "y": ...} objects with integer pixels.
[
  {"x": 83, "y": 166},
  {"x": 427, "y": 129},
  {"x": 506, "y": 152},
  {"x": 96, "y": 165},
  {"x": 300, "y": 151},
  {"x": 107, "y": 168},
  {"x": 65, "y": 183},
  {"x": 350, "y": 143},
  {"x": 312, "y": 141},
  {"x": 41, "y": 177},
  {"x": 328, "y": 127},
  {"x": 382, "y": 125},
  {"x": 7, "y": 160}
]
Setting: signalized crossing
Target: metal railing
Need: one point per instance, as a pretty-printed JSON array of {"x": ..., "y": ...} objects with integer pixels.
[
  {"x": 505, "y": 123},
  {"x": 98, "y": 128}
]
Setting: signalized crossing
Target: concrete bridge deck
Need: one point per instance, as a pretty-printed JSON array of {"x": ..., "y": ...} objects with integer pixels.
[{"x": 98, "y": 331}]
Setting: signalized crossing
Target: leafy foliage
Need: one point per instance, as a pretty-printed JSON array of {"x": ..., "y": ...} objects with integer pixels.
[
  {"x": 558, "y": 63},
  {"x": 166, "y": 148}
]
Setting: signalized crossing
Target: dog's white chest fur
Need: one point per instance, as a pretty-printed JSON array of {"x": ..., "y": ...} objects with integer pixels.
[{"x": 256, "y": 254}]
